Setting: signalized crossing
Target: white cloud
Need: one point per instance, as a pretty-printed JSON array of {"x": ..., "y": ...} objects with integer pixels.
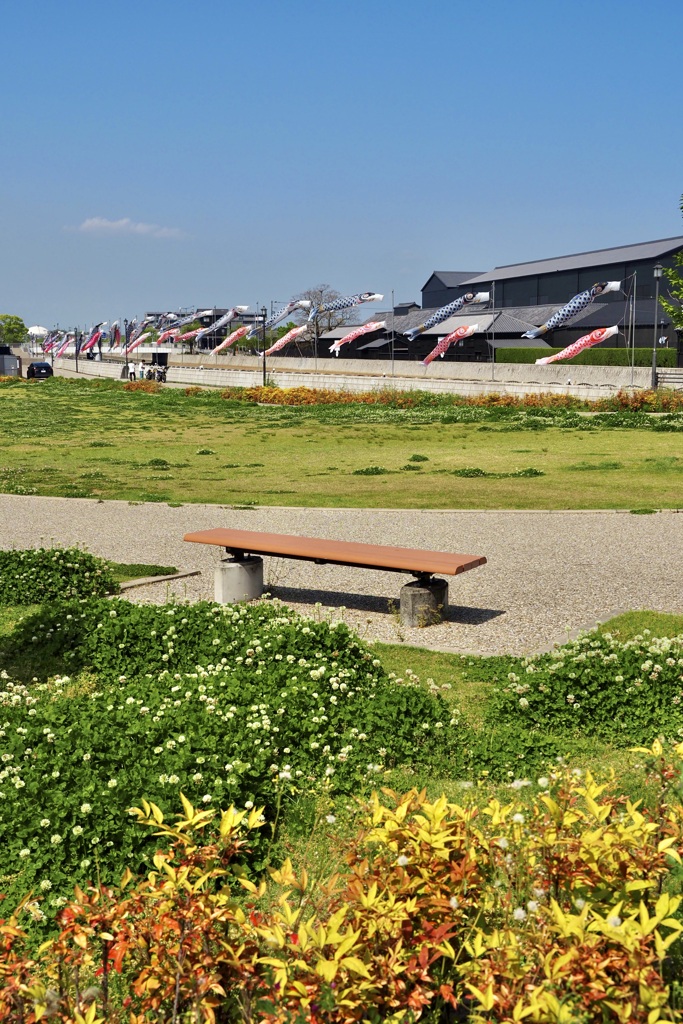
[{"x": 126, "y": 226}]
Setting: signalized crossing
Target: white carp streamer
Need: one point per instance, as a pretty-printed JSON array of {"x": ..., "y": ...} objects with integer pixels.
[
  {"x": 230, "y": 340},
  {"x": 285, "y": 339},
  {"x": 445, "y": 343},
  {"x": 588, "y": 340},
  {"x": 278, "y": 317},
  {"x": 445, "y": 312},
  {"x": 224, "y": 320},
  {"x": 374, "y": 325},
  {"x": 573, "y": 307}
]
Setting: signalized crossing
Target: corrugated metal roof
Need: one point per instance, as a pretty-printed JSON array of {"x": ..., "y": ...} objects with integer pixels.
[
  {"x": 576, "y": 261},
  {"x": 484, "y": 319}
]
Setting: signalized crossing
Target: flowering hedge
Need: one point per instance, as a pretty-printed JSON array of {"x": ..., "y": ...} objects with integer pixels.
[
  {"x": 625, "y": 692},
  {"x": 554, "y": 910},
  {"x": 250, "y": 705},
  {"x": 52, "y": 574}
]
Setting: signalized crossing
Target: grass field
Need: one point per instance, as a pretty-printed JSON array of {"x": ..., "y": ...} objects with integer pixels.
[{"x": 76, "y": 439}]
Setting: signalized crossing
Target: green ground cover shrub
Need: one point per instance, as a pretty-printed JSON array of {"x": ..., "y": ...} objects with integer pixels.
[
  {"x": 245, "y": 705},
  {"x": 52, "y": 574},
  {"x": 626, "y": 692},
  {"x": 589, "y": 357}
]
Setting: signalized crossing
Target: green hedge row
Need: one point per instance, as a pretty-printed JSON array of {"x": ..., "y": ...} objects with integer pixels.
[{"x": 590, "y": 357}]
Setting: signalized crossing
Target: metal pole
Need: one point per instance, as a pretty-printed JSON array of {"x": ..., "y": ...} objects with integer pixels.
[
  {"x": 631, "y": 328},
  {"x": 264, "y": 313},
  {"x": 493, "y": 331},
  {"x": 76, "y": 346},
  {"x": 393, "y": 311},
  {"x": 653, "y": 380}
]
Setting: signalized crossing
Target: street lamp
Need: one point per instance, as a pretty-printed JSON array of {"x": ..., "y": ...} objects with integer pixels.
[
  {"x": 658, "y": 271},
  {"x": 264, "y": 313}
]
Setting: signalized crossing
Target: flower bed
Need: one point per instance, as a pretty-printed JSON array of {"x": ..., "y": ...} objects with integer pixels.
[
  {"x": 244, "y": 704},
  {"x": 624, "y": 692},
  {"x": 52, "y": 574}
]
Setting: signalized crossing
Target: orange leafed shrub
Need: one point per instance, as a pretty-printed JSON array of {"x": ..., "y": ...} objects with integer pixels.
[
  {"x": 553, "y": 909},
  {"x": 149, "y": 387}
]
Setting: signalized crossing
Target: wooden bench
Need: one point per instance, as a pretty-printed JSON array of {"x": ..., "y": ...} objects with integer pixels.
[{"x": 241, "y": 577}]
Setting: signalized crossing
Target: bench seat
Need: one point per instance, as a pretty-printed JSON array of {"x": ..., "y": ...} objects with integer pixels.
[{"x": 338, "y": 552}]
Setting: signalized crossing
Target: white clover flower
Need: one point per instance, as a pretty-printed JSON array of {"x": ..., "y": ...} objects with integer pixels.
[
  {"x": 112, "y": 784},
  {"x": 330, "y": 819},
  {"x": 532, "y": 906},
  {"x": 402, "y": 861},
  {"x": 502, "y": 843},
  {"x": 24, "y": 853},
  {"x": 613, "y": 921},
  {"x": 197, "y": 777},
  {"x": 46, "y": 884},
  {"x": 453, "y": 903},
  {"x": 579, "y": 903},
  {"x": 518, "y": 819},
  {"x": 86, "y": 808},
  {"x": 45, "y": 822},
  {"x": 56, "y": 839},
  {"x": 519, "y": 914},
  {"x": 248, "y": 804},
  {"x": 56, "y": 773},
  {"x": 173, "y": 779},
  {"x": 86, "y": 757},
  {"x": 158, "y": 750},
  {"x": 77, "y": 830},
  {"x": 206, "y": 799},
  {"x": 284, "y": 775},
  {"x": 543, "y": 782}
]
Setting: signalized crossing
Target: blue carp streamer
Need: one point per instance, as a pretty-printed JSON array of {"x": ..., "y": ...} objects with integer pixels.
[
  {"x": 574, "y": 306},
  {"x": 445, "y": 312},
  {"x": 278, "y": 317},
  {"x": 223, "y": 321},
  {"x": 343, "y": 303}
]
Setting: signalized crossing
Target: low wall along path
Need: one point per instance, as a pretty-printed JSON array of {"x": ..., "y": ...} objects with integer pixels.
[{"x": 589, "y": 382}]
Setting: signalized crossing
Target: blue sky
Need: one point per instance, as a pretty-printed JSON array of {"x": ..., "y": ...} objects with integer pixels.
[{"x": 165, "y": 154}]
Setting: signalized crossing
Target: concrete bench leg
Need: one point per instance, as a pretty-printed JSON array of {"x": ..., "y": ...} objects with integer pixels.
[
  {"x": 423, "y": 602},
  {"x": 239, "y": 580}
]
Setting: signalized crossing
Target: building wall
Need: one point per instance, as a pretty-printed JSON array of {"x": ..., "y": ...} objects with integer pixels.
[{"x": 541, "y": 289}]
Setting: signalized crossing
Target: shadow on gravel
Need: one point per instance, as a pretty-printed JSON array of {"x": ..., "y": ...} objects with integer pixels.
[{"x": 370, "y": 603}]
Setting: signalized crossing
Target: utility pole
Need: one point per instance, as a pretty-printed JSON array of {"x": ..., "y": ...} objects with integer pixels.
[{"x": 264, "y": 312}]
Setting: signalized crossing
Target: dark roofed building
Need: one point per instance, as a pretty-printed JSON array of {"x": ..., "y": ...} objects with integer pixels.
[
  {"x": 554, "y": 281},
  {"x": 444, "y": 286}
]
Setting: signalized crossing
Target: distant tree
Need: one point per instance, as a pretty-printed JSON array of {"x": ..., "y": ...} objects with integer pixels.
[
  {"x": 12, "y": 329},
  {"x": 673, "y": 306}
]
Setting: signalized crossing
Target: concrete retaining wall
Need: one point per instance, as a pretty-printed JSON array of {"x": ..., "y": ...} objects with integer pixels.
[{"x": 361, "y": 375}]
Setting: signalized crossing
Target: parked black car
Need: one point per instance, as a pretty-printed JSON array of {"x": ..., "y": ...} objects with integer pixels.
[{"x": 39, "y": 371}]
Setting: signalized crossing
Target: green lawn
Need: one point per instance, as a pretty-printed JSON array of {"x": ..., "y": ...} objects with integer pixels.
[{"x": 75, "y": 439}]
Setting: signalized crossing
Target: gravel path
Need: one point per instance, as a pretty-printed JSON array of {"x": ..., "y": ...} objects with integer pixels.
[{"x": 548, "y": 573}]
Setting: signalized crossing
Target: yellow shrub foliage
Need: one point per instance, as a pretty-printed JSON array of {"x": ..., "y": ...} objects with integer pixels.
[{"x": 556, "y": 907}]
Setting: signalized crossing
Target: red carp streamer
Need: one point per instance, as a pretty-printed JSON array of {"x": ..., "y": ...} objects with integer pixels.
[
  {"x": 190, "y": 334},
  {"x": 285, "y": 339},
  {"x": 374, "y": 325},
  {"x": 139, "y": 341},
  {"x": 588, "y": 340},
  {"x": 172, "y": 332},
  {"x": 445, "y": 343},
  {"x": 230, "y": 340}
]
